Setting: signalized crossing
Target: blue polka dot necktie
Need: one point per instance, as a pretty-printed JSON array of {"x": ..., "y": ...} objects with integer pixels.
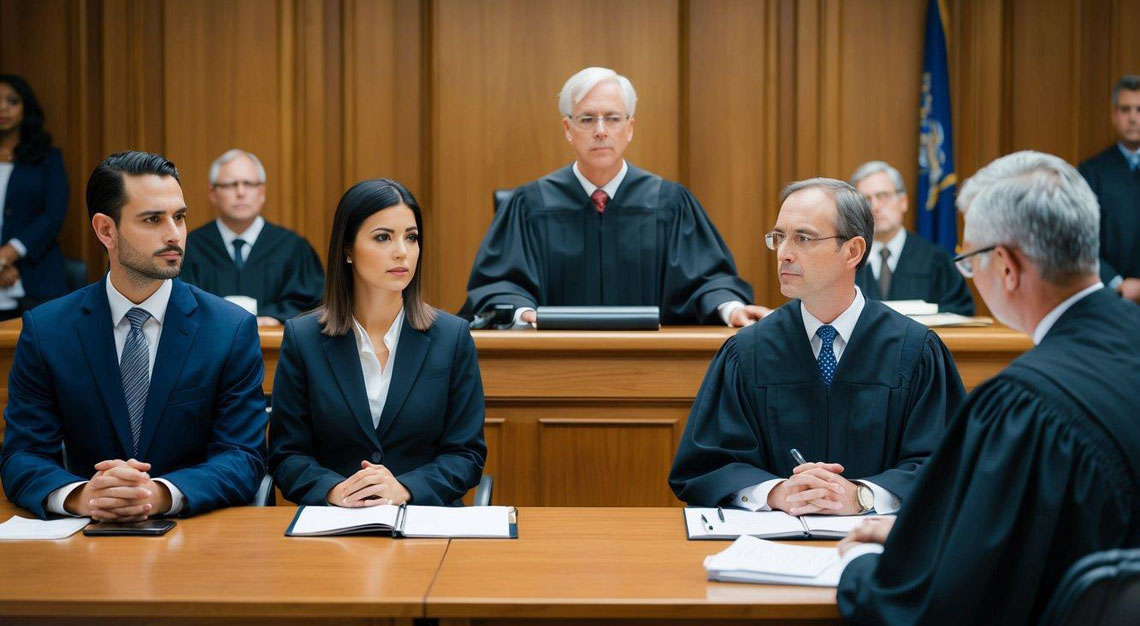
[{"x": 827, "y": 360}]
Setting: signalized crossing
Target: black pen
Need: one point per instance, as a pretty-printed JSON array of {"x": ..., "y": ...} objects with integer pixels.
[
  {"x": 706, "y": 521},
  {"x": 720, "y": 513},
  {"x": 797, "y": 457}
]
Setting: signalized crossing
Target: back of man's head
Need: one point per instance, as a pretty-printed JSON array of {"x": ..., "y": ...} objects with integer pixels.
[
  {"x": 1038, "y": 204},
  {"x": 106, "y": 190}
]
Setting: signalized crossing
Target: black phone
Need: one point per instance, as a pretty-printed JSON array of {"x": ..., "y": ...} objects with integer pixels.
[{"x": 147, "y": 528}]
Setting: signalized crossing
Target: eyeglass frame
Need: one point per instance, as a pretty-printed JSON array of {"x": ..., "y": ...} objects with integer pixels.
[
  {"x": 967, "y": 269},
  {"x": 882, "y": 196},
  {"x": 233, "y": 185},
  {"x": 574, "y": 121},
  {"x": 770, "y": 240}
]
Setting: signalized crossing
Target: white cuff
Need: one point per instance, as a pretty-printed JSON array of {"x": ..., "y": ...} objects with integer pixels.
[
  {"x": 176, "y": 498},
  {"x": 726, "y": 310},
  {"x": 19, "y": 246},
  {"x": 885, "y": 501},
  {"x": 56, "y": 498},
  {"x": 755, "y": 498},
  {"x": 519, "y": 313},
  {"x": 862, "y": 549},
  {"x": 1114, "y": 284}
]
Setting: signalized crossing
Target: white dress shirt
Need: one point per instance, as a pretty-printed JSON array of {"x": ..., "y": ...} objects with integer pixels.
[
  {"x": 377, "y": 378},
  {"x": 152, "y": 330},
  {"x": 895, "y": 245},
  {"x": 1046, "y": 323},
  {"x": 755, "y": 498},
  {"x": 725, "y": 309},
  {"x": 10, "y": 296},
  {"x": 249, "y": 236}
]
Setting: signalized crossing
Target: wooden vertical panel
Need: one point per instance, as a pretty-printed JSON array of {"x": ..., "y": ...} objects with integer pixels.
[
  {"x": 979, "y": 110},
  {"x": 1126, "y": 46},
  {"x": 731, "y": 141},
  {"x": 1095, "y": 77},
  {"x": 497, "y": 68},
  {"x": 1041, "y": 80}
]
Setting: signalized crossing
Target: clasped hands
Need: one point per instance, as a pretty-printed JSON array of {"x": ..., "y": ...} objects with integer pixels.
[
  {"x": 372, "y": 485},
  {"x": 120, "y": 491},
  {"x": 815, "y": 488}
]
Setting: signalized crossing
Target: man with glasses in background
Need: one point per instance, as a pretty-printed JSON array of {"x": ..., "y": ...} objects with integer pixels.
[
  {"x": 602, "y": 232},
  {"x": 270, "y": 271},
  {"x": 903, "y": 265},
  {"x": 862, "y": 394}
]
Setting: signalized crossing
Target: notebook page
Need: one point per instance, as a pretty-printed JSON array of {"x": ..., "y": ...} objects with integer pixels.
[
  {"x": 737, "y": 522},
  {"x": 835, "y": 523},
  {"x": 23, "y": 528},
  {"x": 324, "y": 519},
  {"x": 749, "y": 554},
  {"x": 451, "y": 521}
]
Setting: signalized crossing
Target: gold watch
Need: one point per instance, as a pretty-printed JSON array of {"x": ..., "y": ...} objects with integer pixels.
[{"x": 865, "y": 497}]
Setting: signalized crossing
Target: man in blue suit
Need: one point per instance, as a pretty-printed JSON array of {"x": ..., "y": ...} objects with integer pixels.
[{"x": 138, "y": 366}]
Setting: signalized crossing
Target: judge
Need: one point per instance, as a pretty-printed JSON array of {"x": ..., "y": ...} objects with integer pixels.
[
  {"x": 904, "y": 265},
  {"x": 858, "y": 388},
  {"x": 1040, "y": 466},
  {"x": 603, "y": 232},
  {"x": 1114, "y": 176},
  {"x": 268, "y": 270}
]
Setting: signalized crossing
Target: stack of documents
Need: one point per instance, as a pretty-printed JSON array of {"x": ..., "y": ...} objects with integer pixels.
[
  {"x": 704, "y": 523},
  {"x": 752, "y": 560},
  {"x": 488, "y": 522},
  {"x": 23, "y": 528}
]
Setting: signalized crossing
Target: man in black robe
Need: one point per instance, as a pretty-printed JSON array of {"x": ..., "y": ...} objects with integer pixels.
[
  {"x": 268, "y": 270},
  {"x": 602, "y": 232},
  {"x": 1042, "y": 464},
  {"x": 854, "y": 386},
  {"x": 1114, "y": 176},
  {"x": 915, "y": 268}
]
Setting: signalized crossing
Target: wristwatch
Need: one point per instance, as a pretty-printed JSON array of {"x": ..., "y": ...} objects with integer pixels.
[{"x": 865, "y": 497}]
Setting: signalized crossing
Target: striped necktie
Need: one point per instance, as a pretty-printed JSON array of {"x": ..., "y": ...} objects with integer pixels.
[{"x": 134, "y": 368}]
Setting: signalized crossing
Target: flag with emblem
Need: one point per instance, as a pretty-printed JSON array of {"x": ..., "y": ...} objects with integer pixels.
[{"x": 937, "y": 220}]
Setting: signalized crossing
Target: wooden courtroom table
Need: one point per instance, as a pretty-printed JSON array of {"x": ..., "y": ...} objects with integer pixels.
[
  {"x": 593, "y": 418},
  {"x": 235, "y": 565}
]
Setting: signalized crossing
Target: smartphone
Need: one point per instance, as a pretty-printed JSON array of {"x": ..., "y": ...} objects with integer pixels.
[{"x": 147, "y": 528}]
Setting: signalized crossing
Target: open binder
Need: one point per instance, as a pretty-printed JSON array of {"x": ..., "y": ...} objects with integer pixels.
[
  {"x": 483, "y": 522},
  {"x": 706, "y": 523}
]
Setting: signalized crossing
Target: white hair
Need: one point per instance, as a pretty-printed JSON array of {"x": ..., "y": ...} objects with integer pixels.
[
  {"x": 580, "y": 84},
  {"x": 230, "y": 155},
  {"x": 870, "y": 168},
  {"x": 1039, "y": 204}
]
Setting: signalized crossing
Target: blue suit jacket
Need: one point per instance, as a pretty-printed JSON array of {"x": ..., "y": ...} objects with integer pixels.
[
  {"x": 431, "y": 430},
  {"x": 204, "y": 422},
  {"x": 35, "y": 206}
]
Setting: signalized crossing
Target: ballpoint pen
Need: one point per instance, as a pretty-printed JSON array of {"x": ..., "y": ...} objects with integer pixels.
[
  {"x": 797, "y": 457},
  {"x": 720, "y": 513},
  {"x": 708, "y": 524}
]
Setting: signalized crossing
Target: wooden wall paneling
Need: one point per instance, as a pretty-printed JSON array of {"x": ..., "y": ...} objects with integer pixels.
[
  {"x": 731, "y": 142},
  {"x": 1041, "y": 80},
  {"x": 1126, "y": 47},
  {"x": 1093, "y": 76},
  {"x": 496, "y": 69}
]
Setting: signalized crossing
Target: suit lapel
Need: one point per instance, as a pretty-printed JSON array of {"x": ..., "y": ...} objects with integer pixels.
[
  {"x": 344, "y": 363},
  {"x": 178, "y": 330},
  {"x": 410, "y": 356},
  {"x": 96, "y": 336}
]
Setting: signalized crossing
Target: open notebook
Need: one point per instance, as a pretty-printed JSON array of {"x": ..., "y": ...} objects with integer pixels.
[
  {"x": 705, "y": 523},
  {"x": 752, "y": 560},
  {"x": 487, "y": 522}
]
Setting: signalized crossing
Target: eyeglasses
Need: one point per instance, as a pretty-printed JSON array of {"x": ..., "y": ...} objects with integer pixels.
[
  {"x": 963, "y": 264},
  {"x": 231, "y": 186},
  {"x": 880, "y": 197},
  {"x": 776, "y": 238},
  {"x": 611, "y": 121}
]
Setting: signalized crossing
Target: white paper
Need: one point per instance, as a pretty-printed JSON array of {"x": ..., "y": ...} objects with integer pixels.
[
  {"x": 23, "y": 528},
  {"x": 950, "y": 319},
  {"x": 245, "y": 302},
  {"x": 834, "y": 523},
  {"x": 749, "y": 554},
  {"x": 316, "y": 520},
  {"x": 738, "y": 522},
  {"x": 913, "y": 307},
  {"x": 452, "y": 521}
]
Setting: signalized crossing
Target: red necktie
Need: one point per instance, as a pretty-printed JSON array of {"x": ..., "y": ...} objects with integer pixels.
[{"x": 600, "y": 198}]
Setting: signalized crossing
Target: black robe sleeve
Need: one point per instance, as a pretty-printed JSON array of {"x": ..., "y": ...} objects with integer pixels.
[
  {"x": 721, "y": 449},
  {"x": 507, "y": 268},
  {"x": 700, "y": 273},
  {"x": 303, "y": 286},
  {"x": 1016, "y": 493}
]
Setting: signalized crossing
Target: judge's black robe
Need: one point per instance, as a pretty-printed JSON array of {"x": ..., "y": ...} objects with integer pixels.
[
  {"x": 924, "y": 272},
  {"x": 890, "y": 399},
  {"x": 1040, "y": 467},
  {"x": 281, "y": 271},
  {"x": 1118, "y": 190},
  {"x": 653, "y": 245}
]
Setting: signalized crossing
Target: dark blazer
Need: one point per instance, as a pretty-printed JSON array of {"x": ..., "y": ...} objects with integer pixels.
[
  {"x": 1117, "y": 189},
  {"x": 34, "y": 210},
  {"x": 924, "y": 272},
  {"x": 204, "y": 422},
  {"x": 431, "y": 431}
]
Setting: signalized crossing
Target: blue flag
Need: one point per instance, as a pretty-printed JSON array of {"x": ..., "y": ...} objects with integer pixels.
[{"x": 937, "y": 220}]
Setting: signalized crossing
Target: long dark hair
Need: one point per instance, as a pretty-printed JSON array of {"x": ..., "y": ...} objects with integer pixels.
[
  {"x": 34, "y": 140},
  {"x": 358, "y": 203}
]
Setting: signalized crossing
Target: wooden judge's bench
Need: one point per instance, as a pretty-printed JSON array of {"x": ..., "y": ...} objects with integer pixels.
[{"x": 593, "y": 418}]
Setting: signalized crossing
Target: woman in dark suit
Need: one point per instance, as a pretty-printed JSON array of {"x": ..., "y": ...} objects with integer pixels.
[
  {"x": 33, "y": 202},
  {"x": 377, "y": 397}
]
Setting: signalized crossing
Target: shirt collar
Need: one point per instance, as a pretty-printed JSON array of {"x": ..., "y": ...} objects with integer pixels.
[
  {"x": 1132, "y": 156},
  {"x": 844, "y": 325},
  {"x": 1047, "y": 322},
  {"x": 391, "y": 338},
  {"x": 895, "y": 245},
  {"x": 155, "y": 304},
  {"x": 610, "y": 188},
  {"x": 249, "y": 236}
]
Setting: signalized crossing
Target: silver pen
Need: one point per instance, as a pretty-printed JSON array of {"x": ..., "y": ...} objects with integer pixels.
[{"x": 797, "y": 457}]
